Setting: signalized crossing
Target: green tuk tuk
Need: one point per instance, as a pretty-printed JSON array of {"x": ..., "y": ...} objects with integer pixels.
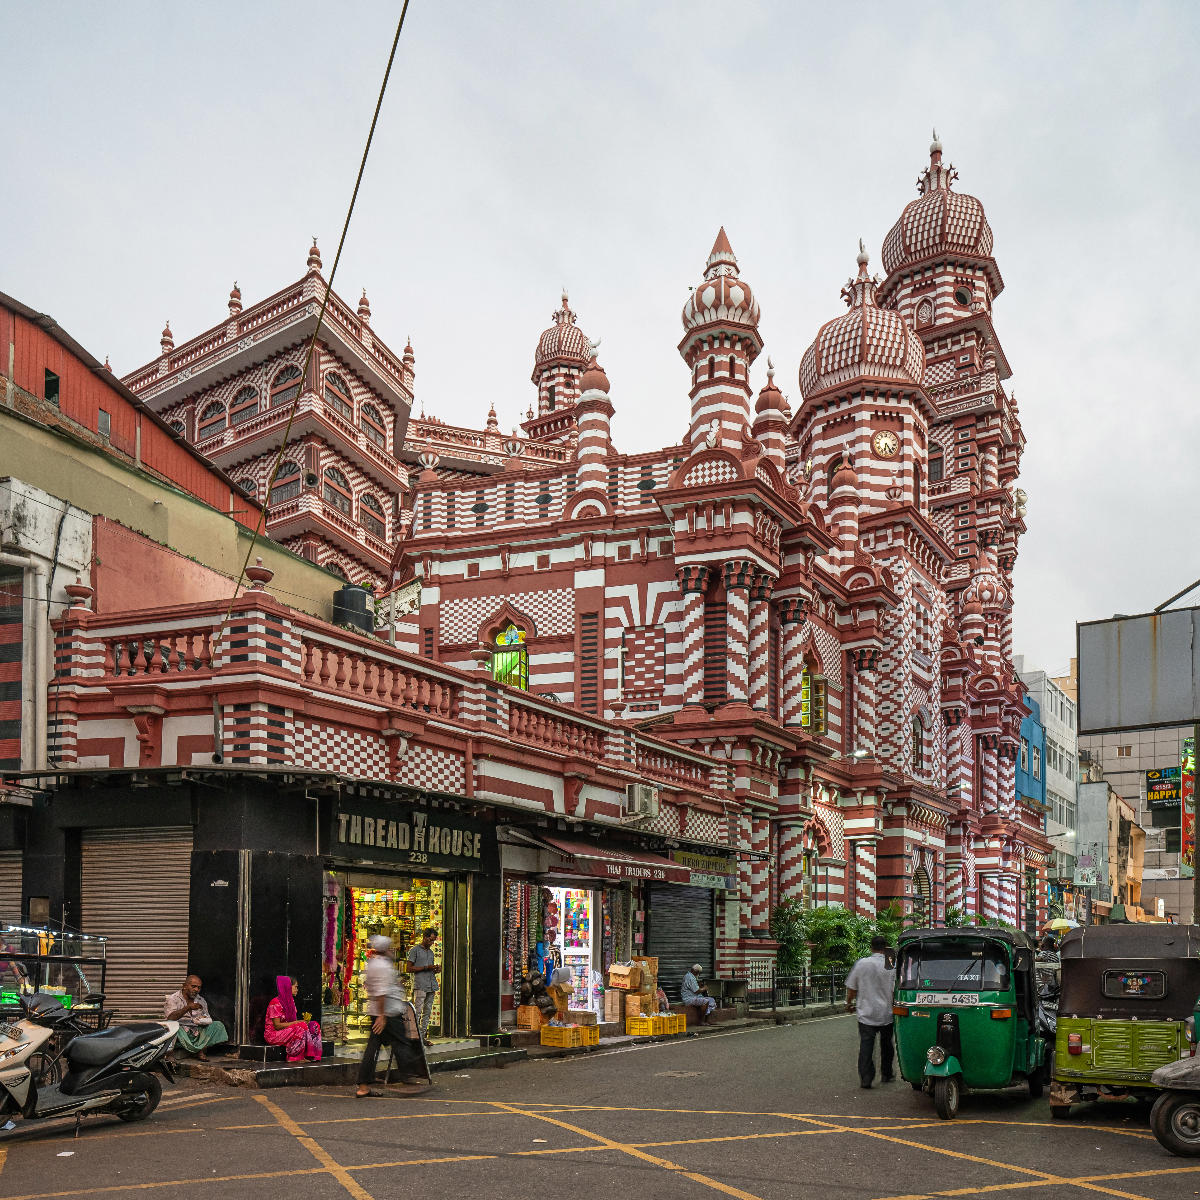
[
  {"x": 966, "y": 1014},
  {"x": 1127, "y": 992}
]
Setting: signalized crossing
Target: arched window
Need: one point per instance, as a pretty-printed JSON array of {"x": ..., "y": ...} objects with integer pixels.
[
  {"x": 373, "y": 426},
  {"x": 285, "y": 387},
  {"x": 550, "y": 398},
  {"x": 287, "y": 483},
  {"x": 337, "y": 396},
  {"x": 370, "y": 516},
  {"x": 922, "y": 896},
  {"x": 248, "y": 486},
  {"x": 712, "y": 368},
  {"x": 918, "y": 746},
  {"x": 732, "y": 367},
  {"x": 177, "y": 426},
  {"x": 510, "y": 658},
  {"x": 917, "y": 484},
  {"x": 212, "y": 420},
  {"x": 937, "y": 463},
  {"x": 835, "y": 465},
  {"x": 337, "y": 490},
  {"x": 812, "y": 701},
  {"x": 244, "y": 406}
]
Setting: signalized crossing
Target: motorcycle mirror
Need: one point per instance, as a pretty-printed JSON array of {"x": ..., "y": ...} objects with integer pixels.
[{"x": 1189, "y": 1027}]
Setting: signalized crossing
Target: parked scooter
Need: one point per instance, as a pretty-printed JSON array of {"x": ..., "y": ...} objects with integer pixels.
[
  {"x": 107, "y": 1072},
  {"x": 1175, "y": 1117}
]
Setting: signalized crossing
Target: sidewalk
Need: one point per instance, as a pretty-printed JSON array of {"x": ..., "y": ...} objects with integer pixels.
[{"x": 466, "y": 1054}]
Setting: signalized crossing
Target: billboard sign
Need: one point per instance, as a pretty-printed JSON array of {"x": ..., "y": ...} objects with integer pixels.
[
  {"x": 1162, "y": 787},
  {"x": 1139, "y": 672},
  {"x": 1085, "y": 877},
  {"x": 1187, "y": 791}
]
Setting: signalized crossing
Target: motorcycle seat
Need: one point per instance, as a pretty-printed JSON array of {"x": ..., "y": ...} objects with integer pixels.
[{"x": 95, "y": 1049}]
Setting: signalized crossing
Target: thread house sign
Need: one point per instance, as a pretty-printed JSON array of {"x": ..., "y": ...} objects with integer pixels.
[{"x": 413, "y": 837}]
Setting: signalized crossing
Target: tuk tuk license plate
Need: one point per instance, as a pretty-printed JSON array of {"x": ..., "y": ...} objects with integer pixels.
[{"x": 948, "y": 999}]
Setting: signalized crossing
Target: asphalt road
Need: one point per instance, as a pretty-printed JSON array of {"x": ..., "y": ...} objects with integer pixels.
[{"x": 772, "y": 1113}]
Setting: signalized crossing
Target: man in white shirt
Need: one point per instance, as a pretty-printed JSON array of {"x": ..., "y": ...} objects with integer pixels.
[
  {"x": 869, "y": 988},
  {"x": 393, "y": 1022}
]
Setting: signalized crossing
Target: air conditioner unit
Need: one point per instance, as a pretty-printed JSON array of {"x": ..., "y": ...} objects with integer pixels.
[{"x": 641, "y": 800}]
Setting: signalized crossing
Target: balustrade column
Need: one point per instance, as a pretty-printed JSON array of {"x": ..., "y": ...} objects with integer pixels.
[
  {"x": 693, "y": 582},
  {"x": 737, "y": 630}
]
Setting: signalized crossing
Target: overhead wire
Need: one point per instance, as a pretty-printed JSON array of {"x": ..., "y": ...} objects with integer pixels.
[{"x": 258, "y": 528}]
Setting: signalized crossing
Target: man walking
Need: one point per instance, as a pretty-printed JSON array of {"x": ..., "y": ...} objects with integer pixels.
[
  {"x": 424, "y": 971},
  {"x": 392, "y": 1021},
  {"x": 869, "y": 989}
]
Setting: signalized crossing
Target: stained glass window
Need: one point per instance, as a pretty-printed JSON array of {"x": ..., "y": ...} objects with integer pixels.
[{"x": 510, "y": 658}]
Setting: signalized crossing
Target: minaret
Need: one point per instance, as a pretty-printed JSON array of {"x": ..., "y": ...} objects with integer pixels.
[
  {"x": 771, "y": 421},
  {"x": 593, "y": 413},
  {"x": 719, "y": 345}
]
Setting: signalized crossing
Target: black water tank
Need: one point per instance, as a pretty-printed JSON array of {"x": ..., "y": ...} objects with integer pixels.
[{"x": 354, "y": 606}]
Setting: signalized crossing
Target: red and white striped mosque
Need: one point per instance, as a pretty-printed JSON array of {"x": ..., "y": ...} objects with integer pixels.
[{"x": 816, "y": 603}]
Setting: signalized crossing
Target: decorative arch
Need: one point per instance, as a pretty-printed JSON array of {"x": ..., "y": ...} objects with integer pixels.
[
  {"x": 243, "y": 406},
  {"x": 285, "y": 387},
  {"x": 587, "y": 504},
  {"x": 506, "y": 614},
  {"x": 211, "y": 420}
]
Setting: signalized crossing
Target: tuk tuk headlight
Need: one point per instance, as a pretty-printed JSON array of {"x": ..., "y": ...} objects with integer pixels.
[{"x": 936, "y": 1055}]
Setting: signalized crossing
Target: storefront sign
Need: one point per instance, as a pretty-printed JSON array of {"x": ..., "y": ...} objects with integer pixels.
[
  {"x": 1084, "y": 877},
  {"x": 413, "y": 837},
  {"x": 716, "y": 871},
  {"x": 1162, "y": 787},
  {"x": 1187, "y": 793}
]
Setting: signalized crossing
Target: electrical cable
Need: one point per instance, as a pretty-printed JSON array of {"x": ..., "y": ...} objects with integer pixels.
[{"x": 256, "y": 532}]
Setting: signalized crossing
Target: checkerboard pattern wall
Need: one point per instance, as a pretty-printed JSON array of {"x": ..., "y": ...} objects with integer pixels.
[
  {"x": 332, "y": 749},
  {"x": 645, "y": 662},
  {"x": 433, "y": 770},
  {"x": 553, "y": 612}
]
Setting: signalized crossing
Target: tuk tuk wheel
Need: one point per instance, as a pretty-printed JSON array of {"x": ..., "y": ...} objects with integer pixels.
[
  {"x": 945, "y": 1097},
  {"x": 1175, "y": 1121}
]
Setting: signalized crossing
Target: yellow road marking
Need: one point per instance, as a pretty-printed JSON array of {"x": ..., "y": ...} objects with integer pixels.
[
  {"x": 167, "y": 1183},
  {"x": 317, "y": 1151},
  {"x": 1081, "y": 1181},
  {"x": 200, "y": 1103},
  {"x": 634, "y": 1152},
  {"x": 1044, "y": 1176},
  {"x": 431, "y": 1116}
]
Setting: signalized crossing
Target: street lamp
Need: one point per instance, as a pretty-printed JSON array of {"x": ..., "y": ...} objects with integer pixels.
[{"x": 858, "y": 754}]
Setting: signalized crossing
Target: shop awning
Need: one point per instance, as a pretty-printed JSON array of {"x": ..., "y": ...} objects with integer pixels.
[{"x": 586, "y": 858}]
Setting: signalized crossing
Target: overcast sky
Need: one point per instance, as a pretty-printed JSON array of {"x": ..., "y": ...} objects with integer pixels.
[{"x": 158, "y": 152}]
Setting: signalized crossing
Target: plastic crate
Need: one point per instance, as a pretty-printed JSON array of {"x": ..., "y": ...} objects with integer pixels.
[
  {"x": 676, "y": 1023},
  {"x": 591, "y": 1034},
  {"x": 563, "y": 1035},
  {"x": 640, "y": 1026}
]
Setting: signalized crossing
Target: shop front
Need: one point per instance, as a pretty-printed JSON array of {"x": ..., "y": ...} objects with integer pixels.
[
  {"x": 398, "y": 870},
  {"x": 576, "y": 904},
  {"x": 681, "y": 919}
]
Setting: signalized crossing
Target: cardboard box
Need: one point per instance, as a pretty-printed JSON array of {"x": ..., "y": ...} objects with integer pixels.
[
  {"x": 529, "y": 1016},
  {"x": 638, "y": 1005},
  {"x": 626, "y": 977},
  {"x": 614, "y": 1006},
  {"x": 581, "y": 1016},
  {"x": 647, "y": 964}
]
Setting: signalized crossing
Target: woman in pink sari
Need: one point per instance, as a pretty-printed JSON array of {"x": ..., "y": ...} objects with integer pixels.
[{"x": 300, "y": 1039}]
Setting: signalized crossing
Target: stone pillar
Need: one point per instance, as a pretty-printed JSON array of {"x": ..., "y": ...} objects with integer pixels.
[
  {"x": 737, "y": 645},
  {"x": 760, "y": 872},
  {"x": 792, "y": 610},
  {"x": 693, "y": 582},
  {"x": 760, "y": 640}
]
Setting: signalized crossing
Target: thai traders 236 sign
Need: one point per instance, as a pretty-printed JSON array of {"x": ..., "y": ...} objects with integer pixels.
[
  {"x": 414, "y": 837},
  {"x": 1187, "y": 795},
  {"x": 1162, "y": 787}
]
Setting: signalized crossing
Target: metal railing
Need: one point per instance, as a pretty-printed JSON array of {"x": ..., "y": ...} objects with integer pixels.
[{"x": 768, "y": 988}]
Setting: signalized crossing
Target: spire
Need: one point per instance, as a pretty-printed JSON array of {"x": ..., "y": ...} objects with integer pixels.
[
  {"x": 770, "y": 399},
  {"x": 235, "y": 300},
  {"x": 594, "y": 379},
  {"x": 107, "y": 365},
  {"x": 493, "y": 425},
  {"x": 936, "y": 177},
  {"x": 408, "y": 357},
  {"x": 168, "y": 339},
  {"x": 314, "y": 256},
  {"x": 721, "y": 259},
  {"x": 564, "y": 315},
  {"x": 860, "y": 290},
  {"x": 364, "y": 309}
]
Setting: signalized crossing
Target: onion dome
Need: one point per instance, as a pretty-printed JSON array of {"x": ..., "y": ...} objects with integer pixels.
[
  {"x": 721, "y": 295},
  {"x": 314, "y": 256},
  {"x": 235, "y": 300},
  {"x": 938, "y": 222},
  {"x": 364, "y": 309},
  {"x": 563, "y": 342},
  {"x": 770, "y": 399},
  {"x": 868, "y": 342},
  {"x": 493, "y": 424},
  {"x": 167, "y": 342},
  {"x": 594, "y": 378},
  {"x": 844, "y": 476}
]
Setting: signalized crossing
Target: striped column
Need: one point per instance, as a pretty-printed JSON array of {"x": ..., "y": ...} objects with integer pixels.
[
  {"x": 760, "y": 636},
  {"x": 745, "y": 872},
  {"x": 593, "y": 413},
  {"x": 863, "y": 899},
  {"x": 792, "y": 610},
  {"x": 737, "y": 630},
  {"x": 864, "y": 733},
  {"x": 760, "y": 874},
  {"x": 693, "y": 582},
  {"x": 791, "y": 862}
]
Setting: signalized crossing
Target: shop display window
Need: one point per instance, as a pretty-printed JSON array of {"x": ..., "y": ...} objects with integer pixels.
[{"x": 400, "y": 912}]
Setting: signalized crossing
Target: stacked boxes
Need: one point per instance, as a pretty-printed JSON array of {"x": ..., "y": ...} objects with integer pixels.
[
  {"x": 639, "y": 1005},
  {"x": 614, "y": 1006},
  {"x": 626, "y": 977},
  {"x": 529, "y": 1016}
]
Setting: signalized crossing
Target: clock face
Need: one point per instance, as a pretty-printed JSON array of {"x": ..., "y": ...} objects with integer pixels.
[{"x": 885, "y": 443}]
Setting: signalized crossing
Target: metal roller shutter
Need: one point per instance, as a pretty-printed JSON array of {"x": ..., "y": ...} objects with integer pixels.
[
  {"x": 679, "y": 932},
  {"x": 135, "y": 892},
  {"x": 10, "y": 886}
]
